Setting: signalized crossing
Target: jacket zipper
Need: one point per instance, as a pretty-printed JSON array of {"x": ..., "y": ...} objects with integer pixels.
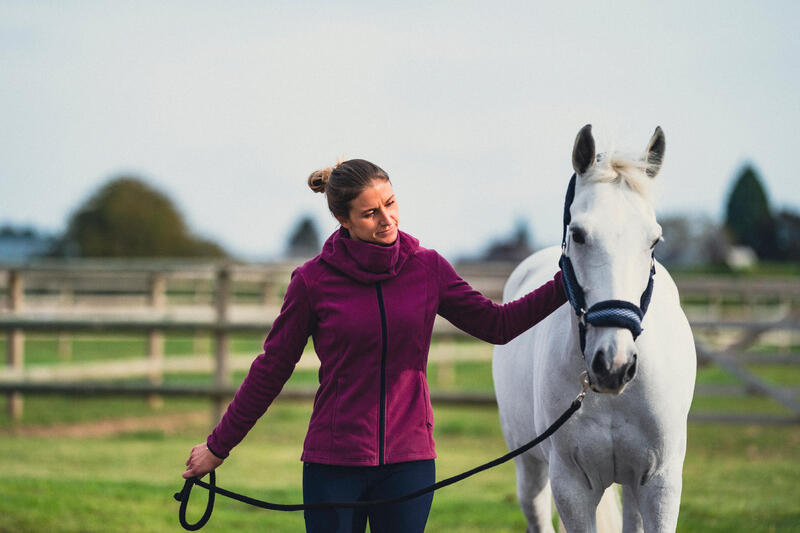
[{"x": 382, "y": 406}]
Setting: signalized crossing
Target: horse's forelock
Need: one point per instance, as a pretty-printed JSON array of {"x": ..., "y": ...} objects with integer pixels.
[{"x": 622, "y": 168}]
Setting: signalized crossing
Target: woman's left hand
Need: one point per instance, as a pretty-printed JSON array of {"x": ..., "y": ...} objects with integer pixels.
[{"x": 201, "y": 461}]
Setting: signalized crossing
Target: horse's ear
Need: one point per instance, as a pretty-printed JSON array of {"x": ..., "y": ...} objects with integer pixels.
[
  {"x": 583, "y": 151},
  {"x": 655, "y": 152}
]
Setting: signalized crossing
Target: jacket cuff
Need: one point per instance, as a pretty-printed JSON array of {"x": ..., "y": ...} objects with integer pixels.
[
  {"x": 559, "y": 278},
  {"x": 214, "y": 453}
]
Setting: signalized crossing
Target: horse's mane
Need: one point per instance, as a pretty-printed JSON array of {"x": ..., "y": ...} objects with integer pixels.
[{"x": 617, "y": 167}]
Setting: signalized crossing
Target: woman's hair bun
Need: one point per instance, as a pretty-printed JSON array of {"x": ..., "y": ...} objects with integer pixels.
[{"x": 318, "y": 180}]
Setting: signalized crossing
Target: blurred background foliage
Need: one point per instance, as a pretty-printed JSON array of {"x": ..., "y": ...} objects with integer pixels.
[
  {"x": 128, "y": 217},
  {"x": 748, "y": 217}
]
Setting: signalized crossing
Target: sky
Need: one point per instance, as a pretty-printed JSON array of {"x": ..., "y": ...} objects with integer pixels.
[{"x": 471, "y": 107}]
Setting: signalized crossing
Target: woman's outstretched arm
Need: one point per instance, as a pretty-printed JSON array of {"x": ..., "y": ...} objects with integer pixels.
[{"x": 472, "y": 312}]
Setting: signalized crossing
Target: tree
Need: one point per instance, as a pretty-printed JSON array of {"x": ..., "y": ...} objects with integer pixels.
[
  {"x": 748, "y": 218},
  {"x": 21, "y": 243},
  {"x": 9, "y": 231},
  {"x": 304, "y": 240},
  {"x": 128, "y": 218}
]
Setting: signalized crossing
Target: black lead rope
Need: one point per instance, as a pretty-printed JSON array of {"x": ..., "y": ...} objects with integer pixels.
[{"x": 183, "y": 495}]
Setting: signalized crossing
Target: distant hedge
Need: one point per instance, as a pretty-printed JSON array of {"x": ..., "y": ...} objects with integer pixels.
[{"x": 128, "y": 218}]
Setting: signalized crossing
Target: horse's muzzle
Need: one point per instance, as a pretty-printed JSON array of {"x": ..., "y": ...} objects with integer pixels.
[{"x": 608, "y": 377}]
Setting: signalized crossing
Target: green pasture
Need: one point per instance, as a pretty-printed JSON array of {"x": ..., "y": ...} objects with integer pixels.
[{"x": 736, "y": 477}]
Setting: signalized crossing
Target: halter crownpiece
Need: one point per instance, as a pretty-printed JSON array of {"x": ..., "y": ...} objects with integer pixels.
[{"x": 606, "y": 313}]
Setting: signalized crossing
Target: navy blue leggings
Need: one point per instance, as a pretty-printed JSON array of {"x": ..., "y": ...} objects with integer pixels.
[{"x": 352, "y": 483}]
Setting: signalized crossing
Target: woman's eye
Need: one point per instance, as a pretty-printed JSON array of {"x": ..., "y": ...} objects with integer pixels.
[{"x": 578, "y": 236}]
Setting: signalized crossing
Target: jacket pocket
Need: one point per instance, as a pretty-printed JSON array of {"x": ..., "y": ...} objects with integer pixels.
[
  {"x": 323, "y": 419},
  {"x": 354, "y": 422},
  {"x": 409, "y": 418},
  {"x": 428, "y": 410}
]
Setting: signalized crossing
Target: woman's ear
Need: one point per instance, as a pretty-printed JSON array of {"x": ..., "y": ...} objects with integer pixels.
[{"x": 345, "y": 222}]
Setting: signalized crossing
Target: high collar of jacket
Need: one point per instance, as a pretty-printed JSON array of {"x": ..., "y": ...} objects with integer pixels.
[{"x": 366, "y": 262}]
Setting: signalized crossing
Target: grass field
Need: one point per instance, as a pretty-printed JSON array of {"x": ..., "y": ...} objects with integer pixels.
[{"x": 115, "y": 476}]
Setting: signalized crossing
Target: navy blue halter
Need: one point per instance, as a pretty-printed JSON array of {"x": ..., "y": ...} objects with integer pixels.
[{"x": 607, "y": 313}]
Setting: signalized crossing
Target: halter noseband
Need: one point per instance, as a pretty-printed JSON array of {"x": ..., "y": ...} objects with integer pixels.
[{"x": 606, "y": 313}]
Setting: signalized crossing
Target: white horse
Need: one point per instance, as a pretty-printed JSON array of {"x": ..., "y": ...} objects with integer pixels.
[{"x": 632, "y": 429}]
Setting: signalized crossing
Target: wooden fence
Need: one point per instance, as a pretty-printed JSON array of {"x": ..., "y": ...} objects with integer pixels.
[{"x": 154, "y": 298}]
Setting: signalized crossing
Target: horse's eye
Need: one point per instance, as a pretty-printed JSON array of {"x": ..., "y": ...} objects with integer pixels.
[{"x": 578, "y": 236}]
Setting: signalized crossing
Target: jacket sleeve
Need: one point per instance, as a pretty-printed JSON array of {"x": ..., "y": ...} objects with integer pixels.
[
  {"x": 470, "y": 311},
  {"x": 283, "y": 347}
]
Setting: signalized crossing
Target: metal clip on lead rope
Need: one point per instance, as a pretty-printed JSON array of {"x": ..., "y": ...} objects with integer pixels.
[{"x": 586, "y": 385}]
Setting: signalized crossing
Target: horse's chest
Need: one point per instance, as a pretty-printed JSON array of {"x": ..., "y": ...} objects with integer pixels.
[
  {"x": 609, "y": 452},
  {"x": 635, "y": 460}
]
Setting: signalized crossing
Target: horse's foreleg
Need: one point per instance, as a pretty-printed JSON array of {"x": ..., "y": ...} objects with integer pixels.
[
  {"x": 631, "y": 517},
  {"x": 575, "y": 497},
  {"x": 659, "y": 502},
  {"x": 533, "y": 492}
]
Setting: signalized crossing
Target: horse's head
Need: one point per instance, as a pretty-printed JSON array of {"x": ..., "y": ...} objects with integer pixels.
[{"x": 610, "y": 238}]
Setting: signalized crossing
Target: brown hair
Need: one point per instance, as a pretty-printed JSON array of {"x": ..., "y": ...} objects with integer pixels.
[{"x": 343, "y": 182}]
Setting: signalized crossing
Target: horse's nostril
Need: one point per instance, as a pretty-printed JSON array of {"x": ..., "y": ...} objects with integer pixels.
[
  {"x": 631, "y": 370},
  {"x": 598, "y": 364}
]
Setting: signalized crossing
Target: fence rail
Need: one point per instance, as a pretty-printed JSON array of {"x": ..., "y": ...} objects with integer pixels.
[
  {"x": 221, "y": 298},
  {"x": 221, "y": 393}
]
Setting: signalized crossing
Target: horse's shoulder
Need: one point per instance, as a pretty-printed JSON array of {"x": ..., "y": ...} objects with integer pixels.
[{"x": 532, "y": 272}]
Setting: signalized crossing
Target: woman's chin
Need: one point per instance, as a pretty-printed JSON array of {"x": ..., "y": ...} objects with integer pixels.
[{"x": 386, "y": 237}]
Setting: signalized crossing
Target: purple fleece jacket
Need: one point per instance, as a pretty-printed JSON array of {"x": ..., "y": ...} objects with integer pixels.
[{"x": 370, "y": 311}]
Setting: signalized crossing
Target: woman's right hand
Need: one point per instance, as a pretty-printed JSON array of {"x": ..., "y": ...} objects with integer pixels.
[{"x": 201, "y": 461}]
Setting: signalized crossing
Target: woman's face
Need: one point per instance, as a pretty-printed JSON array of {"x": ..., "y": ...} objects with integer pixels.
[{"x": 374, "y": 214}]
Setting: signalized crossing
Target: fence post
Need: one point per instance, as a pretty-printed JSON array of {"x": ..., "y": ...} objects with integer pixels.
[
  {"x": 15, "y": 347},
  {"x": 155, "y": 340},
  {"x": 267, "y": 292},
  {"x": 66, "y": 298},
  {"x": 221, "y": 340}
]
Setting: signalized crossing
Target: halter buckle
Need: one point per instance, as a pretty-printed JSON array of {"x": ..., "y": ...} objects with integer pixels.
[{"x": 585, "y": 386}]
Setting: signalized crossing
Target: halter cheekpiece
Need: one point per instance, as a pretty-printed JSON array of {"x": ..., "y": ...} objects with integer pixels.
[{"x": 606, "y": 313}]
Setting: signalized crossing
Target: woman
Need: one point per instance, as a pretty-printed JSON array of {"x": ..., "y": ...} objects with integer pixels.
[{"x": 368, "y": 301}]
